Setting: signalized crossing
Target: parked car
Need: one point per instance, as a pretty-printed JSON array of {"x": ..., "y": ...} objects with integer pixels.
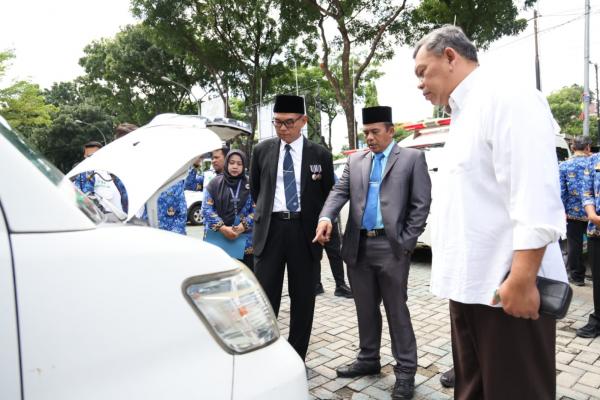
[
  {"x": 430, "y": 136},
  {"x": 92, "y": 309}
]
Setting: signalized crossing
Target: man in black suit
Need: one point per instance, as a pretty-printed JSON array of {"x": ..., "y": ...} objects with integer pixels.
[{"x": 290, "y": 179}]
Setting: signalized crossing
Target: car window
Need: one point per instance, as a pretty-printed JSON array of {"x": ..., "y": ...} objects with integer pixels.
[{"x": 52, "y": 173}]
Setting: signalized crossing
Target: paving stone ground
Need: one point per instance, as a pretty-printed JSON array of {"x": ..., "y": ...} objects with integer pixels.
[{"x": 334, "y": 342}]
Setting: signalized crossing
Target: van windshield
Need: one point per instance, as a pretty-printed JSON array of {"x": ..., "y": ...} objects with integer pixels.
[
  {"x": 51, "y": 172},
  {"x": 45, "y": 167}
]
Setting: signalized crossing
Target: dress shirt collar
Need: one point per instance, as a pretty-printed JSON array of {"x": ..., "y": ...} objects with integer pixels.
[
  {"x": 296, "y": 145},
  {"x": 461, "y": 92},
  {"x": 387, "y": 150}
]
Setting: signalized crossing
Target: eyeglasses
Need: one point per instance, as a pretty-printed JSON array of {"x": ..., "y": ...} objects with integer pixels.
[{"x": 288, "y": 122}]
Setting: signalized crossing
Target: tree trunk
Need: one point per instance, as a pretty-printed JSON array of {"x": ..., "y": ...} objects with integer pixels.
[{"x": 349, "y": 112}]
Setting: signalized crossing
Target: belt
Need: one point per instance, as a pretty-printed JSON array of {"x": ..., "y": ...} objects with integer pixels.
[
  {"x": 286, "y": 215},
  {"x": 373, "y": 233}
]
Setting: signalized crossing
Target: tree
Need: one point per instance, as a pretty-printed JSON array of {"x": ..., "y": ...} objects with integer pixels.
[
  {"x": 320, "y": 96},
  {"x": 567, "y": 108},
  {"x": 243, "y": 45},
  {"x": 22, "y": 103},
  {"x": 124, "y": 76},
  {"x": 373, "y": 27}
]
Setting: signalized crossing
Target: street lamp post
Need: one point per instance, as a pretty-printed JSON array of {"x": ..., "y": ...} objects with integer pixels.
[
  {"x": 80, "y": 122},
  {"x": 164, "y": 78}
]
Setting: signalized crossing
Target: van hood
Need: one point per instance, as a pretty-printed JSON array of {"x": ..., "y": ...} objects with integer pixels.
[{"x": 151, "y": 157}]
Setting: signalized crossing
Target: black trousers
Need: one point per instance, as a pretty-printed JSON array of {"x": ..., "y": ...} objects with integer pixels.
[
  {"x": 594, "y": 248},
  {"x": 333, "y": 248},
  {"x": 575, "y": 231},
  {"x": 286, "y": 245},
  {"x": 249, "y": 261},
  {"x": 497, "y": 356}
]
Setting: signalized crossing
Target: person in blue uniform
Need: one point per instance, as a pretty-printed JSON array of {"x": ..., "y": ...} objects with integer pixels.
[
  {"x": 571, "y": 174},
  {"x": 196, "y": 178},
  {"x": 171, "y": 205},
  {"x": 85, "y": 181},
  {"x": 228, "y": 207},
  {"x": 591, "y": 203}
]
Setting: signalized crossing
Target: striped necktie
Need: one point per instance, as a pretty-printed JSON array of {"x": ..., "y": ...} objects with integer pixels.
[{"x": 289, "y": 181}]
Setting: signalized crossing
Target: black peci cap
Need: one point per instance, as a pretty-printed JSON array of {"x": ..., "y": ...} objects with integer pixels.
[
  {"x": 372, "y": 115},
  {"x": 289, "y": 104}
]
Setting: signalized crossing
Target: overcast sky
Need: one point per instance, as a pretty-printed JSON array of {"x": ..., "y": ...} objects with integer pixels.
[{"x": 49, "y": 36}]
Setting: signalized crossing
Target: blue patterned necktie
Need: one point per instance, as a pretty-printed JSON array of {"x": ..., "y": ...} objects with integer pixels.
[
  {"x": 289, "y": 181},
  {"x": 370, "y": 216}
]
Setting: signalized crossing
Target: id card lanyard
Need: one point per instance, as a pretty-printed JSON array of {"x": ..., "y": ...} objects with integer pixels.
[{"x": 236, "y": 199}]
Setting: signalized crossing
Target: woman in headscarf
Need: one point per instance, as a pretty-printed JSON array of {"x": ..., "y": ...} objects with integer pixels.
[{"x": 228, "y": 207}]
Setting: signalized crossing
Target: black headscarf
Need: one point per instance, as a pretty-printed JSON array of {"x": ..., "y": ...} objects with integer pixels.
[{"x": 222, "y": 186}]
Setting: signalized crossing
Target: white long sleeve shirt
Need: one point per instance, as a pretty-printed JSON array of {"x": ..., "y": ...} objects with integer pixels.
[
  {"x": 498, "y": 190},
  {"x": 279, "y": 203}
]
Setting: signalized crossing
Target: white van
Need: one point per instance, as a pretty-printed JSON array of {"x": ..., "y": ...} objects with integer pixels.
[
  {"x": 96, "y": 310},
  {"x": 430, "y": 136}
]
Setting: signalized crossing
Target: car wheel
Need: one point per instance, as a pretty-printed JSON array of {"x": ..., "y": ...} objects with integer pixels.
[{"x": 195, "y": 214}]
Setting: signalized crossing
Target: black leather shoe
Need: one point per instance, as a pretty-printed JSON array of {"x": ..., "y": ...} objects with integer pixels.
[
  {"x": 447, "y": 378},
  {"x": 576, "y": 282},
  {"x": 319, "y": 289},
  {"x": 404, "y": 389},
  {"x": 343, "y": 291},
  {"x": 358, "y": 368},
  {"x": 591, "y": 330}
]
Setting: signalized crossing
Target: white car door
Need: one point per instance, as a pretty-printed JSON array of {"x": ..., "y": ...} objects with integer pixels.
[{"x": 10, "y": 375}]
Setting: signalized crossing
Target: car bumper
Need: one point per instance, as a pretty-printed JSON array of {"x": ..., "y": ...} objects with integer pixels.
[{"x": 274, "y": 372}]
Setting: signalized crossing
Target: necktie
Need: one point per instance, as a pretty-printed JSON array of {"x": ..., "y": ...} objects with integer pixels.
[
  {"x": 289, "y": 181},
  {"x": 370, "y": 216}
]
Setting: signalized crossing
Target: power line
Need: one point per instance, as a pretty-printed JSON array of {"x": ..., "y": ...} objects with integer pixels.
[{"x": 543, "y": 31}]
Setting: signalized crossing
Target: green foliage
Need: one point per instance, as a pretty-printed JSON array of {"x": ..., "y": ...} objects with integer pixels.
[
  {"x": 372, "y": 28},
  {"x": 123, "y": 76},
  {"x": 483, "y": 21},
  {"x": 567, "y": 108},
  {"x": 62, "y": 142},
  {"x": 240, "y": 45},
  {"x": 22, "y": 104}
]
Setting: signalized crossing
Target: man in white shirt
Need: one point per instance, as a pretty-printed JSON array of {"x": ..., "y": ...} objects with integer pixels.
[{"x": 496, "y": 209}]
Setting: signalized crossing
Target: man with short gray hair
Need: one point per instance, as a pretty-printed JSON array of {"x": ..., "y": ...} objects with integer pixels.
[
  {"x": 571, "y": 181},
  {"x": 500, "y": 156}
]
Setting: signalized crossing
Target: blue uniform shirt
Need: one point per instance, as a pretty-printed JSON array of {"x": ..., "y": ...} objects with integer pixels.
[
  {"x": 571, "y": 174},
  {"x": 194, "y": 180},
  {"x": 591, "y": 189}
]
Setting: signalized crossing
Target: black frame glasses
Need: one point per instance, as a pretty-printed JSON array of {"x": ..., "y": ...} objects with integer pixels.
[{"x": 288, "y": 122}]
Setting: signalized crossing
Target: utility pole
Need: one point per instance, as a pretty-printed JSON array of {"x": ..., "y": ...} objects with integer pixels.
[
  {"x": 586, "y": 72},
  {"x": 597, "y": 103},
  {"x": 538, "y": 83}
]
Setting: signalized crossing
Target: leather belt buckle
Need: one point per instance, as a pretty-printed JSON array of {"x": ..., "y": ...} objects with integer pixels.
[
  {"x": 371, "y": 234},
  {"x": 285, "y": 215}
]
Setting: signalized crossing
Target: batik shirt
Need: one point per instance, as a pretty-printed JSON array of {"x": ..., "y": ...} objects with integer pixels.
[
  {"x": 591, "y": 189},
  {"x": 571, "y": 174},
  {"x": 213, "y": 221},
  {"x": 172, "y": 209},
  {"x": 85, "y": 182},
  {"x": 194, "y": 180}
]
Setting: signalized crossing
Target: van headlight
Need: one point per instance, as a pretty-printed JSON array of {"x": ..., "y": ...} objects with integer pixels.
[{"x": 234, "y": 308}]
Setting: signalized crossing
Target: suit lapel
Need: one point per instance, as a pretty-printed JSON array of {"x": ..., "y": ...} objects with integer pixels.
[
  {"x": 391, "y": 161},
  {"x": 366, "y": 170},
  {"x": 304, "y": 165},
  {"x": 273, "y": 163}
]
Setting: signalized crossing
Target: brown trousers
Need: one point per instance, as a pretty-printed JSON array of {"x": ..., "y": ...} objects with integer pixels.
[{"x": 497, "y": 356}]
